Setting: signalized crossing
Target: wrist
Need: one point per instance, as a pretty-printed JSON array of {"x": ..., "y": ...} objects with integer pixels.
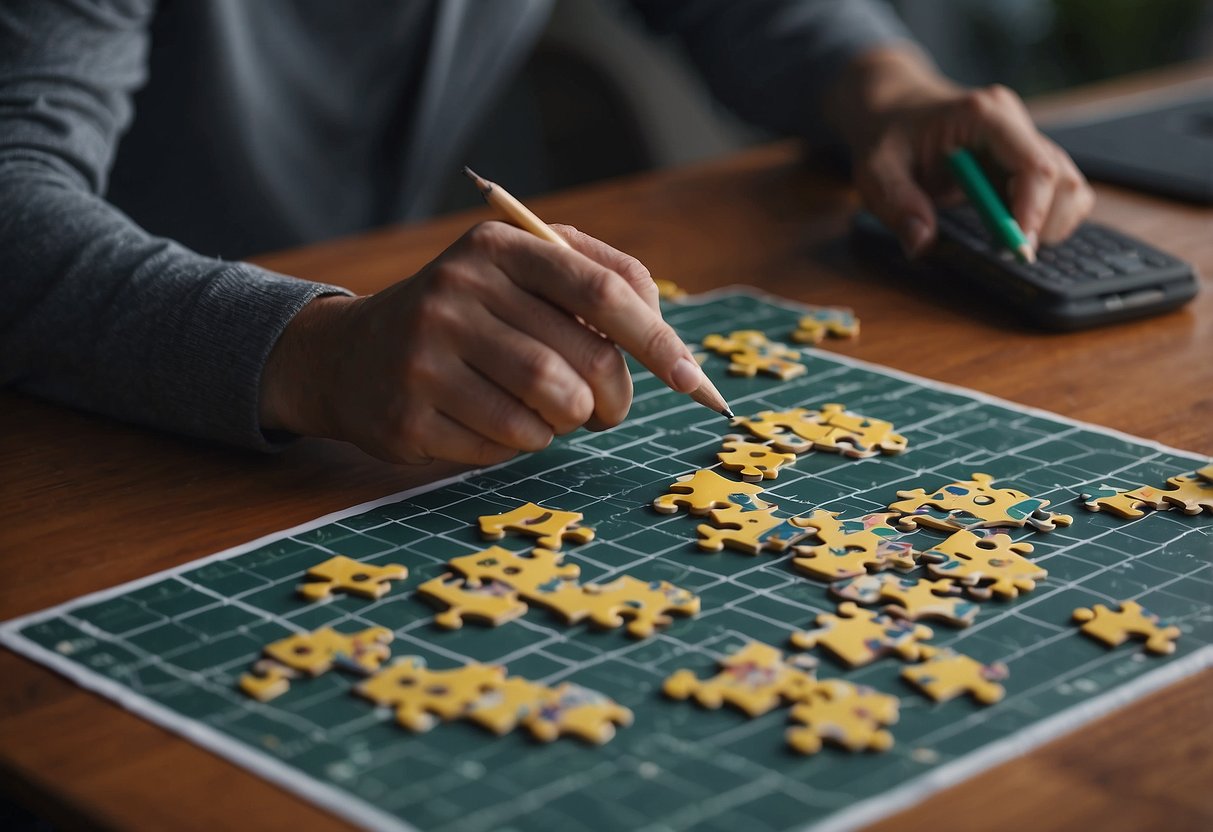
[{"x": 296, "y": 379}]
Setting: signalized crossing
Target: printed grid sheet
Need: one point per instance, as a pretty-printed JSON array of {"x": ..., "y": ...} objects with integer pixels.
[{"x": 172, "y": 646}]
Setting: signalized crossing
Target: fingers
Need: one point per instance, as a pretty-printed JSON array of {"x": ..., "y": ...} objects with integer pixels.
[
  {"x": 886, "y": 182},
  {"x": 597, "y": 294},
  {"x": 625, "y": 265},
  {"x": 437, "y": 436},
  {"x": 486, "y": 407},
  {"x": 1073, "y": 199}
]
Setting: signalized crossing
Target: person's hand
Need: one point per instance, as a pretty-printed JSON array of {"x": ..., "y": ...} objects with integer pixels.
[
  {"x": 499, "y": 344},
  {"x": 901, "y": 119}
]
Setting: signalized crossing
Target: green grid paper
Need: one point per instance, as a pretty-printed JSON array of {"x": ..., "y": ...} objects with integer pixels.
[{"x": 180, "y": 640}]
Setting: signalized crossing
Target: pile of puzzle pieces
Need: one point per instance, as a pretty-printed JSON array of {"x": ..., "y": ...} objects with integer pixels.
[
  {"x": 751, "y": 352},
  {"x": 421, "y": 697}
]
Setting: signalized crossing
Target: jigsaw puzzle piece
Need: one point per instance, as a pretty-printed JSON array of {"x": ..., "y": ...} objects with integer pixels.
[
  {"x": 342, "y": 574},
  {"x": 752, "y": 460},
  {"x": 490, "y": 602},
  {"x": 817, "y": 324},
  {"x": 1114, "y": 627},
  {"x": 1190, "y": 494},
  {"x": 945, "y": 674},
  {"x": 854, "y": 435},
  {"x": 915, "y": 599},
  {"x": 580, "y": 712},
  {"x": 987, "y": 564},
  {"x": 1124, "y": 504},
  {"x": 267, "y": 680},
  {"x": 550, "y": 527},
  {"x": 530, "y": 574},
  {"x": 421, "y": 697},
  {"x": 705, "y": 490},
  {"x": 750, "y": 352},
  {"x": 669, "y": 290},
  {"x": 503, "y": 708},
  {"x": 317, "y": 652},
  {"x": 750, "y": 531},
  {"x": 851, "y": 716},
  {"x": 754, "y": 679},
  {"x": 972, "y": 504},
  {"x": 850, "y": 548},
  {"x": 794, "y": 431},
  {"x": 857, "y": 637},
  {"x": 642, "y": 605}
]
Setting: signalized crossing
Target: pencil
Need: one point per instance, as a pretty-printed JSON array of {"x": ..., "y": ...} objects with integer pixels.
[
  {"x": 515, "y": 212},
  {"x": 989, "y": 206}
]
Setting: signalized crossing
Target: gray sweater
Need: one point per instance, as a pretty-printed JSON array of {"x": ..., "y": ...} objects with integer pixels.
[{"x": 250, "y": 125}]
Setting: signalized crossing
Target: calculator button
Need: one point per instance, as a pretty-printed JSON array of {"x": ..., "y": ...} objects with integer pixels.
[{"x": 1127, "y": 263}]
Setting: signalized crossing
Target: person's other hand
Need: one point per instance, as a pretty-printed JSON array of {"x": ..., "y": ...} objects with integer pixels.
[
  {"x": 499, "y": 344},
  {"x": 901, "y": 119}
]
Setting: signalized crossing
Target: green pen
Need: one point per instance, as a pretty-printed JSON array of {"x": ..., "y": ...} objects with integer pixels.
[{"x": 989, "y": 206}]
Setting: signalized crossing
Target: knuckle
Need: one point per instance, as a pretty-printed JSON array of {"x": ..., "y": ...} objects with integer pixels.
[
  {"x": 1042, "y": 164},
  {"x": 661, "y": 341},
  {"x": 603, "y": 289},
  {"x": 541, "y": 373},
  {"x": 487, "y": 235},
  {"x": 603, "y": 360},
  {"x": 579, "y": 407}
]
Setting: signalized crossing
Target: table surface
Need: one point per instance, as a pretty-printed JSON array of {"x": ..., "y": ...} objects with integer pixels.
[{"x": 94, "y": 503}]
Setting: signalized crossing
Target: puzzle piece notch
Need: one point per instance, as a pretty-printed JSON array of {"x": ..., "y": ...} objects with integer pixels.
[
  {"x": 705, "y": 490},
  {"x": 945, "y": 674},
  {"x": 642, "y": 605},
  {"x": 754, "y": 679},
  {"x": 985, "y": 564},
  {"x": 849, "y": 548},
  {"x": 1114, "y": 627},
  {"x": 857, "y": 636},
  {"x": 550, "y": 527},
  {"x": 342, "y": 574},
  {"x": 750, "y": 531},
  {"x": 753, "y": 461},
  {"x": 854, "y": 717},
  {"x": 490, "y": 602},
  {"x": 975, "y": 503},
  {"x": 915, "y": 599},
  {"x": 834, "y": 322},
  {"x": 421, "y": 697}
]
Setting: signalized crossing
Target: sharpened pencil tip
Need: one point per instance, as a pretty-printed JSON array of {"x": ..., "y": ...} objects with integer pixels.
[
  {"x": 479, "y": 181},
  {"x": 728, "y": 414}
]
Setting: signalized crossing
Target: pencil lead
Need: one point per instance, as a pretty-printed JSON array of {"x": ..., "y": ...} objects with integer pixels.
[
  {"x": 728, "y": 414},
  {"x": 480, "y": 182}
]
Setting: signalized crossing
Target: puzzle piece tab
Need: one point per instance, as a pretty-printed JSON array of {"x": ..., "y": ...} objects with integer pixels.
[
  {"x": 987, "y": 564},
  {"x": 754, "y": 679},
  {"x": 705, "y": 490},
  {"x": 946, "y": 674},
  {"x": 851, "y": 716},
  {"x": 642, "y": 605},
  {"x": 916, "y": 599},
  {"x": 551, "y": 527},
  {"x": 420, "y": 696},
  {"x": 527, "y": 573},
  {"x": 1114, "y": 627},
  {"x": 817, "y": 324},
  {"x": 317, "y": 652},
  {"x": 753, "y": 461},
  {"x": 750, "y": 352},
  {"x": 750, "y": 531},
  {"x": 490, "y": 602},
  {"x": 975, "y": 503},
  {"x": 858, "y": 637},
  {"x": 342, "y": 574},
  {"x": 851, "y": 547}
]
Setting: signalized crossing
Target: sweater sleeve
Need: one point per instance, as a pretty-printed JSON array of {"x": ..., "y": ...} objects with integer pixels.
[
  {"x": 97, "y": 313},
  {"x": 770, "y": 61}
]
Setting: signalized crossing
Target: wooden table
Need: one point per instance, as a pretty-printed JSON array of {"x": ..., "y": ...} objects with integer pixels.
[{"x": 87, "y": 503}]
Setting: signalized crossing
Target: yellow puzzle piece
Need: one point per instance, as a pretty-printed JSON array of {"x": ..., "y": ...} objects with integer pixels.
[
  {"x": 858, "y": 637},
  {"x": 1114, "y": 627},
  {"x": 750, "y": 531},
  {"x": 1125, "y": 504},
  {"x": 916, "y": 599},
  {"x": 752, "y": 460},
  {"x": 945, "y": 674},
  {"x": 815, "y": 326},
  {"x": 551, "y": 527},
  {"x": 267, "y": 680},
  {"x": 642, "y": 605},
  {"x": 987, "y": 564},
  {"x": 317, "y": 652},
  {"x": 488, "y": 602},
  {"x": 754, "y": 679},
  {"x": 854, "y": 435},
  {"x": 669, "y": 290},
  {"x": 851, "y": 716},
  {"x": 705, "y": 490},
  {"x": 342, "y": 574},
  {"x": 750, "y": 352},
  {"x": 503, "y": 708},
  {"x": 851, "y": 547},
  {"x": 975, "y": 503},
  {"x": 794, "y": 431},
  {"x": 421, "y": 696},
  {"x": 1189, "y": 494},
  {"x": 525, "y": 572},
  {"x": 573, "y": 710}
]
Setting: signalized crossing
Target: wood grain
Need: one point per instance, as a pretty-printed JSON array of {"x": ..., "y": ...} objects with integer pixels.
[{"x": 91, "y": 503}]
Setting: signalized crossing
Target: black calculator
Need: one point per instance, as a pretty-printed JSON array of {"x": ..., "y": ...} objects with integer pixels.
[{"x": 1098, "y": 276}]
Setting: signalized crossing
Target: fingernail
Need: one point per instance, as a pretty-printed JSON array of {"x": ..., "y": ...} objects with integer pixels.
[
  {"x": 1033, "y": 240},
  {"x": 915, "y": 237},
  {"x": 686, "y": 375}
]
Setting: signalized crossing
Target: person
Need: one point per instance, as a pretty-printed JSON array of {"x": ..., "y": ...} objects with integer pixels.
[{"x": 269, "y": 124}]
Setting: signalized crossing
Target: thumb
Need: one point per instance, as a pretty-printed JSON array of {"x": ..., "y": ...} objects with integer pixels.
[{"x": 886, "y": 182}]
